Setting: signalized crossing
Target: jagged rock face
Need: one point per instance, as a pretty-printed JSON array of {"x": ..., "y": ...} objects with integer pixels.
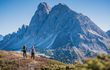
[
  {"x": 10, "y": 41},
  {"x": 38, "y": 19},
  {"x": 108, "y": 33},
  {"x": 61, "y": 33}
]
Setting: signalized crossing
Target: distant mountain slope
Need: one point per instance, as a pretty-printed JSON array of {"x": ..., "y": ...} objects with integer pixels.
[
  {"x": 61, "y": 33},
  {"x": 108, "y": 33},
  {"x": 1, "y": 37}
]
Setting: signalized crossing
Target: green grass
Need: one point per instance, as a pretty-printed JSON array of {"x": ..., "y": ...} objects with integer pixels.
[
  {"x": 101, "y": 62},
  {"x": 8, "y": 64}
]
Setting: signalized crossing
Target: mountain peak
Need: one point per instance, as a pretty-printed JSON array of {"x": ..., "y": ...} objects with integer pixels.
[
  {"x": 43, "y": 6},
  {"x": 63, "y": 8},
  {"x": 24, "y": 26},
  {"x": 61, "y": 5}
]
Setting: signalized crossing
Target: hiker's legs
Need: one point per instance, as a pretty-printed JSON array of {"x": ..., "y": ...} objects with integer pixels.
[
  {"x": 24, "y": 55},
  {"x": 32, "y": 56}
]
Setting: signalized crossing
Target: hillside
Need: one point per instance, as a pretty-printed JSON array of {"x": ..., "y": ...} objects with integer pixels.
[{"x": 14, "y": 61}]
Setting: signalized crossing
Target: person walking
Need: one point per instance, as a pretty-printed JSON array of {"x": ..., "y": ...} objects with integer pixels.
[
  {"x": 24, "y": 50},
  {"x": 33, "y": 52}
]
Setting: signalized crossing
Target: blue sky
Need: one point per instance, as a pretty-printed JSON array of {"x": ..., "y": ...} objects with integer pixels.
[{"x": 15, "y": 13}]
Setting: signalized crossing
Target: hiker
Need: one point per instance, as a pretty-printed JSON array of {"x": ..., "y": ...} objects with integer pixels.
[
  {"x": 24, "y": 50},
  {"x": 33, "y": 53}
]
